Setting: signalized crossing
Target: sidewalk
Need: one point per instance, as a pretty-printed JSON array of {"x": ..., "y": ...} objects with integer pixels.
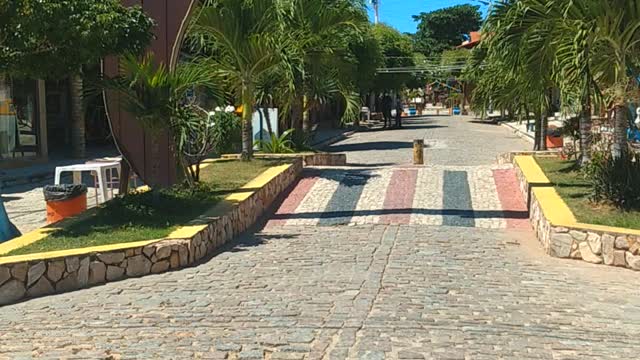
[
  {"x": 21, "y": 189},
  {"x": 326, "y": 137},
  {"x": 520, "y": 129},
  {"x": 41, "y": 172}
]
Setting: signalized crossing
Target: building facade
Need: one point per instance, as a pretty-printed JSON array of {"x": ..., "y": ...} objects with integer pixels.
[{"x": 23, "y": 125}]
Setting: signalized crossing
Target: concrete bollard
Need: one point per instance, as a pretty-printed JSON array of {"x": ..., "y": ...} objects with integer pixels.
[{"x": 418, "y": 152}]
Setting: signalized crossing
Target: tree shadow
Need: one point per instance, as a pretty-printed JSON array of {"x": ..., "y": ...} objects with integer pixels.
[
  {"x": 468, "y": 214},
  {"x": 369, "y": 146},
  {"x": 7, "y": 199}
]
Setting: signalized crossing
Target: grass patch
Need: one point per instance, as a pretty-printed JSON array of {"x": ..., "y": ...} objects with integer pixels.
[
  {"x": 145, "y": 216},
  {"x": 576, "y": 190}
]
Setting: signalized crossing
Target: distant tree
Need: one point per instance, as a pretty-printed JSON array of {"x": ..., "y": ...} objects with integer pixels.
[
  {"x": 368, "y": 57},
  {"x": 397, "y": 50},
  {"x": 47, "y": 39},
  {"x": 446, "y": 28},
  {"x": 454, "y": 61}
]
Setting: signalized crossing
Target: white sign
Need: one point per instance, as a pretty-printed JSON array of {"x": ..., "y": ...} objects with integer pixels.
[{"x": 259, "y": 123}]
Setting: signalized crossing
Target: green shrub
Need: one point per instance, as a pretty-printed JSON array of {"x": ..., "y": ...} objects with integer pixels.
[
  {"x": 227, "y": 132},
  {"x": 615, "y": 180},
  {"x": 277, "y": 144}
]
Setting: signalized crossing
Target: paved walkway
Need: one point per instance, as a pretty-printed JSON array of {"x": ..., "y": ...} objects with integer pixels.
[
  {"x": 457, "y": 140},
  {"x": 388, "y": 289}
]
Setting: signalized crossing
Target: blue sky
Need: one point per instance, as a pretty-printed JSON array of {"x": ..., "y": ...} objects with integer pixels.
[{"x": 397, "y": 13}]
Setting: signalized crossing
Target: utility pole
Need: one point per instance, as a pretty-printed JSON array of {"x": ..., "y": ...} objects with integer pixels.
[{"x": 376, "y": 9}]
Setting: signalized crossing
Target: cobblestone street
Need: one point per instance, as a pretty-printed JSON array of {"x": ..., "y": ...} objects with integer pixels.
[{"x": 378, "y": 260}]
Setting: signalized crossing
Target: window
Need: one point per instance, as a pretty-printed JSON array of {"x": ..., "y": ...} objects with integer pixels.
[{"x": 18, "y": 118}]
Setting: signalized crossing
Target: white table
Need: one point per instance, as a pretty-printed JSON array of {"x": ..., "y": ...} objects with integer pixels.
[
  {"x": 365, "y": 110},
  {"x": 100, "y": 169}
]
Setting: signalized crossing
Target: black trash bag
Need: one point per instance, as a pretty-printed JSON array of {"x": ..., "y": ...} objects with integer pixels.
[{"x": 63, "y": 192}]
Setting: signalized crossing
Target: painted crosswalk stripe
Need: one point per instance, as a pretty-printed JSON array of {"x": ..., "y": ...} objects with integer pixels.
[
  {"x": 427, "y": 202},
  {"x": 371, "y": 203},
  {"x": 399, "y": 197},
  {"x": 294, "y": 199},
  {"x": 484, "y": 197},
  {"x": 457, "y": 204},
  {"x": 340, "y": 209},
  {"x": 513, "y": 205},
  {"x": 311, "y": 208}
]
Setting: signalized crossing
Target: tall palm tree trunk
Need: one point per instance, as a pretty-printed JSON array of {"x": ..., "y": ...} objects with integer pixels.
[
  {"x": 537, "y": 124},
  {"x": 306, "y": 117},
  {"x": 297, "y": 108},
  {"x": 155, "y": 161},
  {"x": 585, "y": 131},
  {"x": 544, "y": 126},
  {"x": 619, "y": 130},
  {"x": 78, "y": 130},
  {"x": 247, "y": 131}
]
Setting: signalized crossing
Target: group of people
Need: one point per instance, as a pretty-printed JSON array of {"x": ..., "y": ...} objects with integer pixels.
[{"x": 387, "y": 107}]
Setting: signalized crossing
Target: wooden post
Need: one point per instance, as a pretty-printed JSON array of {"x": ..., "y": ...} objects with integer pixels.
[{"x": 418, "y": 152}]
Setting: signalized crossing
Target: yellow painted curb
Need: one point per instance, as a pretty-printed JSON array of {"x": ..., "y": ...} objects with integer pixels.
[
  {"x": 554, "y": 208},
  {"x": 183, "y": 232},
  {"x": 74, "y": 252},
  {"x": 26, "y": 239},
  {"x": 606, "y": 229},
  {"x": 261, "y": 180},
  {"x": 531, "y": 170},
  {"x": 240, "y": 195}
]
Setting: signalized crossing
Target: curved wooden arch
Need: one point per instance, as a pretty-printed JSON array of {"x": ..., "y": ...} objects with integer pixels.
[{"x": 135, "y": 145}]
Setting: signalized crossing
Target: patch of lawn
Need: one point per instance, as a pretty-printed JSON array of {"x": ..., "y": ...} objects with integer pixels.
[
  {"x": 145, "y": 216},
  {"x": 575, "y": 190}
]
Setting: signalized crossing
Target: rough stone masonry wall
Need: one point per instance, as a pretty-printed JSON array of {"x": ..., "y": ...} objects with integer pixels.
[
  {"x": 597, "y": 247},
  {"x": 42, "y": 277}
]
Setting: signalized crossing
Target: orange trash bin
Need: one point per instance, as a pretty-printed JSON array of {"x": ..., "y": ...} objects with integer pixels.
[
  {"x": 554, "y": 142},
  {"x": 64, "y": 201}
]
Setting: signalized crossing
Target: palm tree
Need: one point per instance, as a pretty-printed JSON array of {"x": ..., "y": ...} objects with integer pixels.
[
  {"x": 156, "y": 97},
  {"x": 239, "y": 36},
  {"x": 590, "y": 47},
  {"x": 520, "y": 51},
  {"x": 616, "y": 57},
  {"x": 319, "y": 57}
]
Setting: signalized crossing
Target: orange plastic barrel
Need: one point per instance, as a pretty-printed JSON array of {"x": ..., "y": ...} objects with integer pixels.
[
  {"x": 554, "y": 142},
  {"x": 58, "y": 210}
]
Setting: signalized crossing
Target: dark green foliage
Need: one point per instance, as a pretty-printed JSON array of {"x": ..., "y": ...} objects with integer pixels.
[
  {"x": 445, "y": 28},
  {"x": 172, "y": 206},
  {"x": 397, "y": 50},
  {"x": 277, "y": 144},
  {"x": 227, "y": 136},
  {"x": 616, "y": 180},
  {"x": 52, "y": 38}
]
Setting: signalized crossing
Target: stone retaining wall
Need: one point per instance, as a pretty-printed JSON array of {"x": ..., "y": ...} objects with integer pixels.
[
  {"x": 590, "y": 243},
  {"x": 308, "y": 159},
  {"x": 33, "y": 278},
  {"x": 508, "y": 158}
]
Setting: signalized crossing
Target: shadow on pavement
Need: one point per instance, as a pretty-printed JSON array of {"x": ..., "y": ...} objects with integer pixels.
[
  {"x": 367, "y": 146},
  {"x": 471, "y": 214}
]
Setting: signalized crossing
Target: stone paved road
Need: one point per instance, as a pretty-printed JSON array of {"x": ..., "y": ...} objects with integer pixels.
[
  {"x": 457, "y": 140},
  {"x": 373, "y": 291},
  {"x": 471, "y": 196},
  {"x": 370, "y": 292}
]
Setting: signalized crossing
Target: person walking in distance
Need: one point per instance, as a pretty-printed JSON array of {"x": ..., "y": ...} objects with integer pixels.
[
  {"x": 387, "y": 105},
  {"x": 399, "y": 113}
]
